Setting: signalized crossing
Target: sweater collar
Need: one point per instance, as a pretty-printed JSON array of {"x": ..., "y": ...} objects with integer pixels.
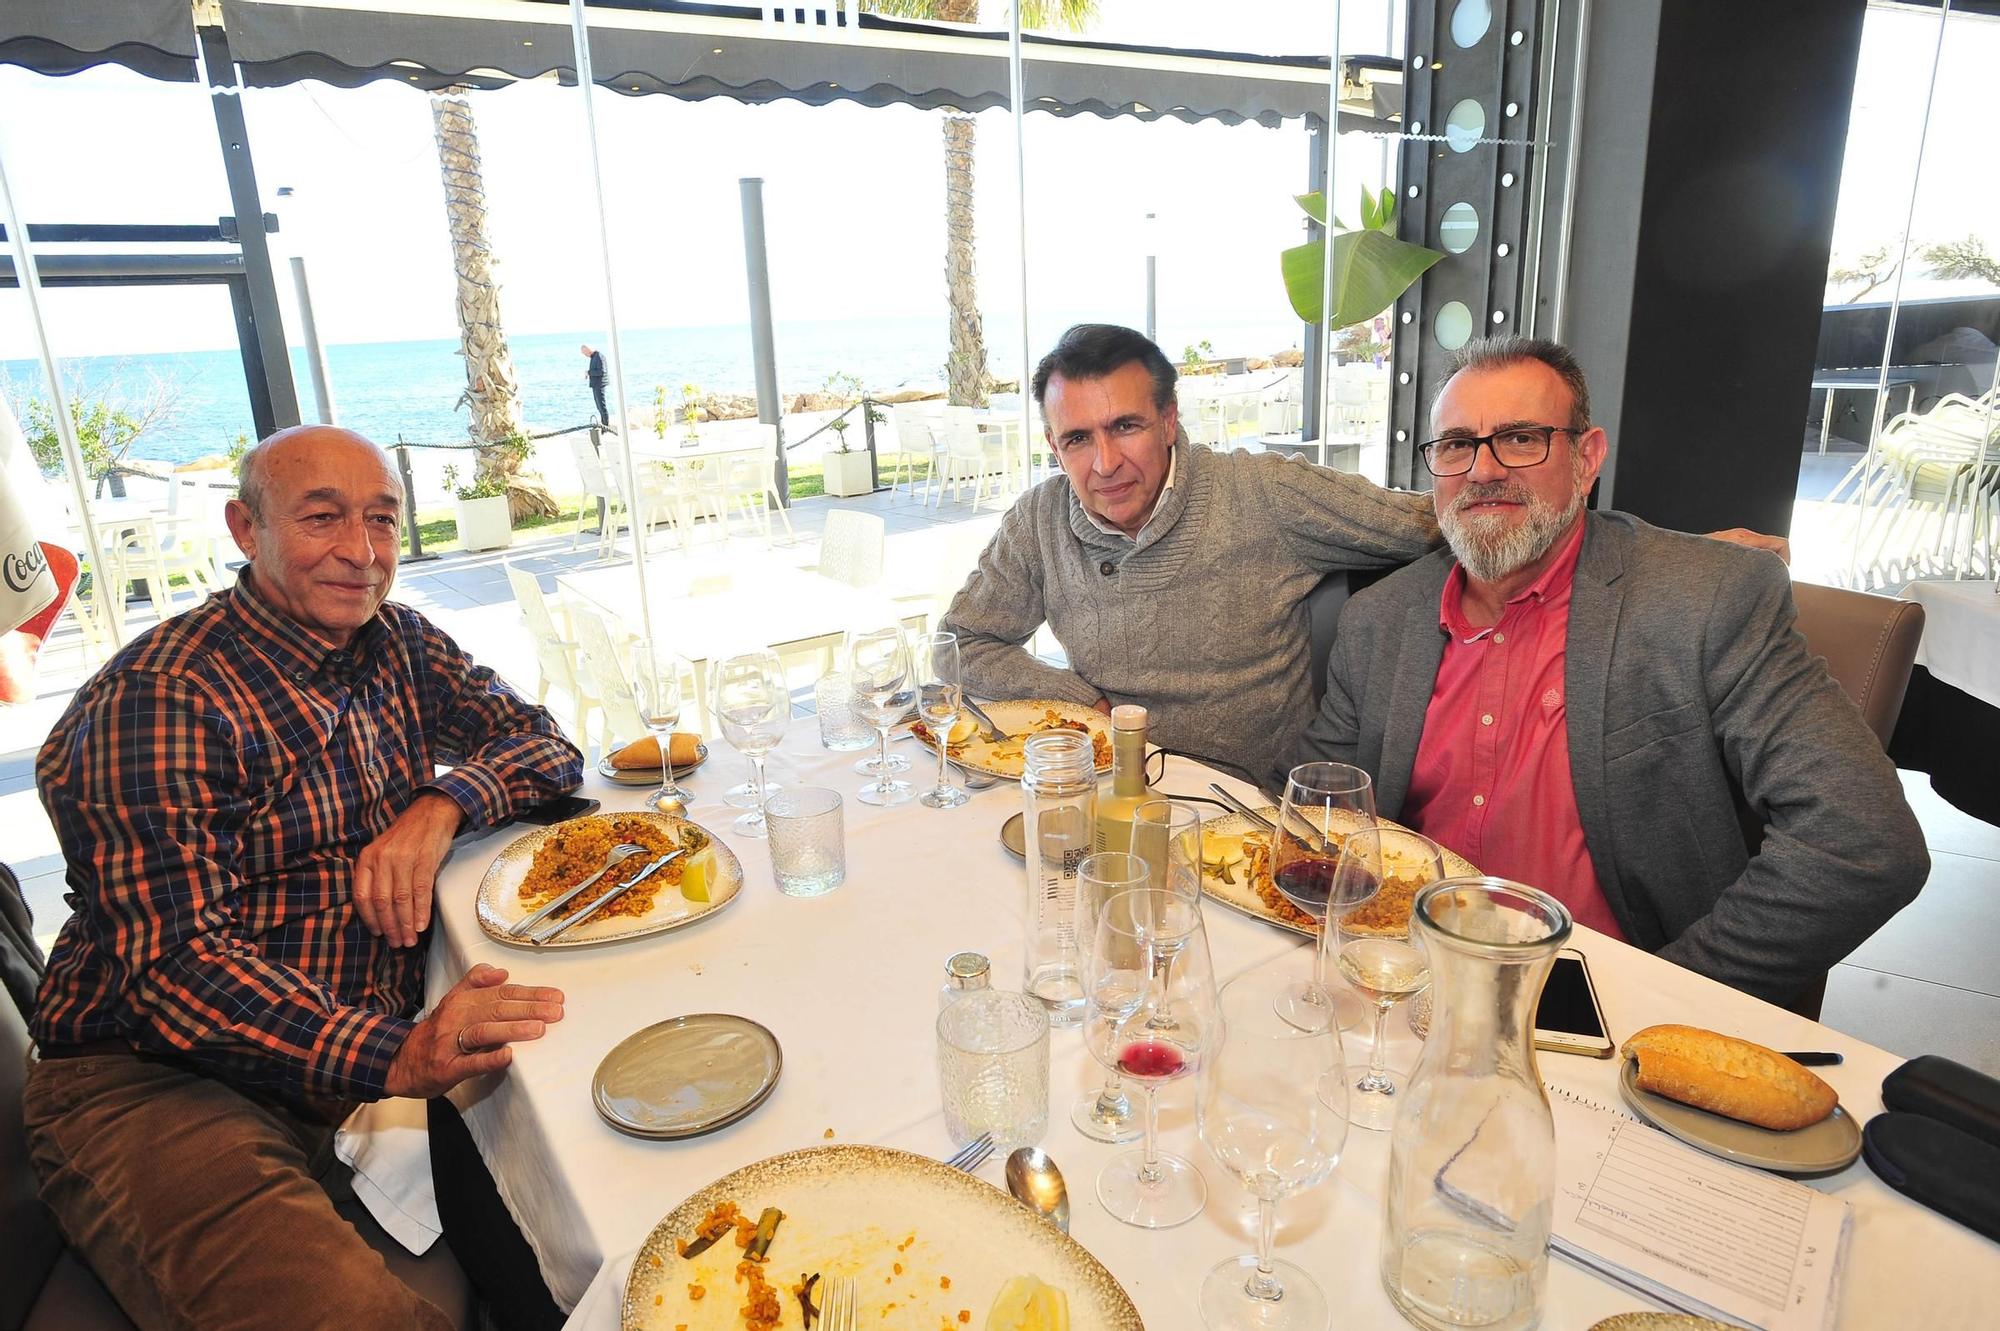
[{"x": 1167, "y": 509}]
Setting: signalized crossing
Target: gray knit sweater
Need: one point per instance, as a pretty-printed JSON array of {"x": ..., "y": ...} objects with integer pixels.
[{"x": 1203, "y": 619}]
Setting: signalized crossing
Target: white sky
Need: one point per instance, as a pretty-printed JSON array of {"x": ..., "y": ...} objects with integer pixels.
[{"x": 853, "y": 196}]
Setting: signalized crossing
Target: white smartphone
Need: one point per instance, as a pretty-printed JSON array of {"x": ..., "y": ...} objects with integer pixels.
[{"x": 1569, "y": 1020}]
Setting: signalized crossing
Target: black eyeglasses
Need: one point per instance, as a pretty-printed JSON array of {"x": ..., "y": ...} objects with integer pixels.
[{"x": 1516, "y": 446}]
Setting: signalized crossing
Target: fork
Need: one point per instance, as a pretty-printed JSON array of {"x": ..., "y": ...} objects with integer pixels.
[
  {"x": 973, "y": 1154},
  {"x": 993, "y": 732},
  {"x": 837, "y": 1306}
]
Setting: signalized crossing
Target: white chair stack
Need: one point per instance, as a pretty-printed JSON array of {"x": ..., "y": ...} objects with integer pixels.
[{"x": 557, "y": 657}]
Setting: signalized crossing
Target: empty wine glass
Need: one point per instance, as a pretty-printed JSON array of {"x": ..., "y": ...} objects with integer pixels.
[
  {"x": 1150, "y": 1015},
  {"x": 1104, "y": 1115},
  {"x": 940, "y": 697},
  {"x": 656, "y": 691},
  {"x": 882, "y": 693},
  {"x": 753, "y": 704},
  {"x": 1264, "y": 1121},
  {"x": 1367, "y": 940},
  {"x": 1323, "y": 802},
  {"x": 877, "y": 763}
]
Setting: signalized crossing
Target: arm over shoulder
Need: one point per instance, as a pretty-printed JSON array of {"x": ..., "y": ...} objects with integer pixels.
[
  {"x": 1334, "y": 519},
  {"x": 1841, "y": 851}
]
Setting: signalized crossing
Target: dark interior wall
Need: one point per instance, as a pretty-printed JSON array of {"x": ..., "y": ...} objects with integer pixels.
[{"x": 1717, "y": 299}]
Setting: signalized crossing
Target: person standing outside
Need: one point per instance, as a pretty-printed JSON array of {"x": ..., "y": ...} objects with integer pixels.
[{"x": 595, "y": 377}]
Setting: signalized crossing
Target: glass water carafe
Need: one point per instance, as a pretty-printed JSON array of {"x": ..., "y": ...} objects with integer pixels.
[{"x": 1472, "y": 1172}]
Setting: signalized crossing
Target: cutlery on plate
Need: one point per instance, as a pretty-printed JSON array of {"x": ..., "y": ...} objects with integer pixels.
[
  {"x": 1038, "y": 1185},
  {"x": 837, "y": 1304},
  {"x": 561, "y": 926},
  {"x": 1314, "y": 838},
  {"x": 993, "y": 732},
  {"x": 972, "y": 780},
  {"x": 973, "y": 1154},
  {"x": 619, "y": 853}
]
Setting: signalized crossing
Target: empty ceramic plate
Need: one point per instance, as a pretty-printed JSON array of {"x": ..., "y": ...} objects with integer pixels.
[{"x": 686, "y": 1076}]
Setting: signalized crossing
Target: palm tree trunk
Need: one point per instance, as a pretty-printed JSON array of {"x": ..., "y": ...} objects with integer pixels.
[
  {"x": 965, "y": 371},
  {"x": 491, "y": 392}
]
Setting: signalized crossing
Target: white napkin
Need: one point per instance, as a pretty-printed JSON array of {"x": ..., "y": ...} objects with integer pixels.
[
  {"x": 602, "y": 1306},
  {"x": 387, "y": 1144}
]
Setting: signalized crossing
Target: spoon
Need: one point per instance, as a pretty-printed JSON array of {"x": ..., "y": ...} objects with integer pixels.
[{"x": 1038, "y": 1185}]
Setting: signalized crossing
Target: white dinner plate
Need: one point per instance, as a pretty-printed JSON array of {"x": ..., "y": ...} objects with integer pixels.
[
  {"x": 1225, "y": 871},
  {"x": 1022, "y": 719},
  {"x": 924, "y": 1242},
  {"x": 1832, "y": 1143},
  {"x": 647, "y": 776},
  {"x": 500, "y": 905}
]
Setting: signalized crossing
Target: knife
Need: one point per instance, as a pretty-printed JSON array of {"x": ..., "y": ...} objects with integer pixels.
[
  {"x": 994, "y": 732},
  {"x": 562, "y": 925},
  {"x": 1318, "y": 840},
  {"x": 1814, "y": 1058}
]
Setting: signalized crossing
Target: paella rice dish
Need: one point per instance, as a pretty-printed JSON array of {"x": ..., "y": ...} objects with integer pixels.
[
  {"x": 1387, "y": 913},
  {"x": 578, "y": 849}
]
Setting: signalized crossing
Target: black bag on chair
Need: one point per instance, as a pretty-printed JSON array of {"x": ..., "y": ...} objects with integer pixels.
[{"x": 20, "y": 960}]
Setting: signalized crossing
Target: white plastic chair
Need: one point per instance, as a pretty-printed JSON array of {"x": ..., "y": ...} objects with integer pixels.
[
  {"x": 850, "y": 548},
  {"x": 598, "y": 483},
  {"x": 968, "y": 456},
  {"x": 604, "y": 667},
  {"x": 750, "y": 480},
  {"x": 556, "y": 657},
  {"x": 916, "y": 436}
]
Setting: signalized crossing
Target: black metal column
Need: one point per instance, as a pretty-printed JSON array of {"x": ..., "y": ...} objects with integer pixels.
[
  {"x": 261, "y": 292},
  {"x": 263, "y": 419}
]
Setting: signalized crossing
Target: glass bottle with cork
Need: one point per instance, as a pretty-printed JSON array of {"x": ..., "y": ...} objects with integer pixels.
[{"x": 1128, "y": 789}]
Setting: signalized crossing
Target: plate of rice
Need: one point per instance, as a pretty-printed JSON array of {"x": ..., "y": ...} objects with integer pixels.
[{"x": 532, "y": 870}]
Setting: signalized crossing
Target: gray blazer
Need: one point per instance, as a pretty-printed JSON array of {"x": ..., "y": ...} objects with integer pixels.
[{"x": 1691, "y": 700}]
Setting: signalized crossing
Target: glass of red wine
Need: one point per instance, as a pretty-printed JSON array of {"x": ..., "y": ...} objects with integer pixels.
[
  {"x": 1323, "y": 804},
  {"x": 1150, "y": 1016}
]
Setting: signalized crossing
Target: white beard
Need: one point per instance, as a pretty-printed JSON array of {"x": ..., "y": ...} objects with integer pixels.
[{"x": 1490, "y": 548}]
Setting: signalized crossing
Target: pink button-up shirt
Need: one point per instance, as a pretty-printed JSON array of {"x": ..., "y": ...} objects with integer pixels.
[{"x": 1492, "y": 777}]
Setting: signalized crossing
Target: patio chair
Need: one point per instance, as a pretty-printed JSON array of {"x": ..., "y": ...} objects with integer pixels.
[
  {"x": 598, "y": 483},
  {"x": 749, "y": 480},
  {"x": 968, "y": 456},
  {"x": 556, "y": 656},
  {"x": 604, "y": 648},
  {"x": 916, "y": 436},
  {"x": 850, "y": 548}
]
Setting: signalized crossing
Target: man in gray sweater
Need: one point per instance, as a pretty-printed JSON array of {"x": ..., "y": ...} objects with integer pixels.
[
  {"x": 1173, "y": 576},
  {"x": 1621, "y": 716}
]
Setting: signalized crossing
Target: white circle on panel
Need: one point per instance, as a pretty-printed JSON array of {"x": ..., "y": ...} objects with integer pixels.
[
  {"x": 1507, "y": 180},
  {"x": 1416, "y": 127},
  {"x": 1515, "y": 40},
  {"x": 1458, "y": 228},
  {"x": 1403, "y": 378},
  {"x": 1407, "y": 316},
  {"x": 1453, "y": 325},
  {"x": 1470, "y": 21},
  {"x": 1464, "y": 125},
  {"x": 1412, "y": 191},
  {"x": 1499, "y": 316},
  {"x": 1513, "y": 109},
  {"x": 1401, "y": 435},
  {"x": 1503, "y": 249}
]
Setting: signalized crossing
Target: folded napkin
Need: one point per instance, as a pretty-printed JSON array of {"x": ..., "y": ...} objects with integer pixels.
[
  {"x": 602, "y": 1306},
  {"x": 388, "y": 1146}
]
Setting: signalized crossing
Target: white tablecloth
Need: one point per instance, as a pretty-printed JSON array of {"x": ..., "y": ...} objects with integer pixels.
[
  {"x": 1961, "y": 642},
  {"x": 848, "y": 984}
]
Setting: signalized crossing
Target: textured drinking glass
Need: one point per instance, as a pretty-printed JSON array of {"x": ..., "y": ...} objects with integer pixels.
[
  {"x": 808, "y": 842},
  {"x": 993, "y": 1068},
  {"x": 839, "y": 728}
]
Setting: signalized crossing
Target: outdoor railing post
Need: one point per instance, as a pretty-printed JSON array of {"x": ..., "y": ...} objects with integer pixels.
[
  {"x": 409, "y": 499},
  {"x": 868, "y": 433}
]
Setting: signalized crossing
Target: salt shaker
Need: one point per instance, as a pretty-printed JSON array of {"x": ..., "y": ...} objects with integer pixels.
[{"x": 963, "y": 973}]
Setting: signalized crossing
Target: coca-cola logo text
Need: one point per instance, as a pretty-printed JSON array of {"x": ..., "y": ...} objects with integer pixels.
[{"x": 21, "y": 568}]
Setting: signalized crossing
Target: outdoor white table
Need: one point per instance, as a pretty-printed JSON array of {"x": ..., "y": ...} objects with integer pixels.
[
  {"x": 1961, "y": 642},
  {"x": 848, "y": 984}
]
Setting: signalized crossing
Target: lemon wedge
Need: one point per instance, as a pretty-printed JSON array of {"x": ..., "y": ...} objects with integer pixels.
[
  {"x": 962, "y": 730},
  {"x": 694, "y": 874},
  {"x": 1026, "y": 1304}
]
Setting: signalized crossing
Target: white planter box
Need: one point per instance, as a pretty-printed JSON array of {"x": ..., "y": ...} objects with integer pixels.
[
  {"x": 847, "y": 473},
  {"x": 484, "y": 524}
]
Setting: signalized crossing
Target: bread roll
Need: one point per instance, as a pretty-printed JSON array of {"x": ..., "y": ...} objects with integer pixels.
[
  {"x": 646, "y": 752},
  {"x": 1728, "y": 1076}
]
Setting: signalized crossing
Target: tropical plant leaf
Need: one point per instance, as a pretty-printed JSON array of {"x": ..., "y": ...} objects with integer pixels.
[
  {"x": 1370, "y": 270},
  {"x": 1371, "y": 212},
  {"x": 1314, "y": 205}
]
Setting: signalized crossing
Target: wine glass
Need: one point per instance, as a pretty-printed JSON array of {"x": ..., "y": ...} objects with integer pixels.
[
  {"x": 1367, "y": 939},
  {"x": 1323, "y": 802},
  {"x": 1104, "y": 1115},
  {"x": 1150, "y": 1015},
  {"x": 753, "y": 704},
  {"x": 882, "y": 693},
  {"x": 1263, "y": 1120},
  {"x": 877, "y": 763},
  {"x": 656, "y": 690},
  {"x": 1166, "y": 834},
  {"x": 940, "y": 697}
]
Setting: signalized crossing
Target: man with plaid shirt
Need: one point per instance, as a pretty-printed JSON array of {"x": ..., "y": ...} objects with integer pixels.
[{"x": 249, "y": 805}]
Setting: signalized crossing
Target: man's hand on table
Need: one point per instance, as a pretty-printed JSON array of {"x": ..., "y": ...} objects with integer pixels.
[
  {"x": 467, "y": 1034},
  {"x": 394, "y": 874},
  {"x": 1103, "y": 705},
  {"x": 1755, "y": 540}
]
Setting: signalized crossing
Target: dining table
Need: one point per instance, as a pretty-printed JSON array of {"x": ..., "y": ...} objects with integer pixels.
[{"x": 848, "y": 982}]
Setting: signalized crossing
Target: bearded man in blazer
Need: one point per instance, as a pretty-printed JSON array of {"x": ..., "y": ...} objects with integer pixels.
[{"x": 1622, "y": 716}]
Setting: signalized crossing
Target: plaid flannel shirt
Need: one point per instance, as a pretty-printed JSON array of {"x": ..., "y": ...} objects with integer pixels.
[{"x": 211, "y": 788}]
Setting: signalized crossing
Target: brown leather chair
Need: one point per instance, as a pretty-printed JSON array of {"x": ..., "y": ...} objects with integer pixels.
[
  {"x": 44, "y": 1286},
  {"x": 1870, "y": 645}
]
